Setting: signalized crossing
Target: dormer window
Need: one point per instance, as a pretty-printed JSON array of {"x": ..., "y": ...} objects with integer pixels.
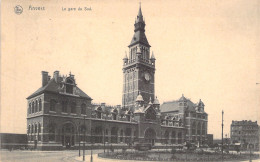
[{"x": 69, "y": 86}]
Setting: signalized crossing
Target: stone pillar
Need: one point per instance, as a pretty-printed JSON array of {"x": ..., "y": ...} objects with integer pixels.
[{"x": 109, "y": 135}]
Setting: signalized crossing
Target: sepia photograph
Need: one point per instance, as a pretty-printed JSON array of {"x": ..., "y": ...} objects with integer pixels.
[{"x": 130, "y": 81}]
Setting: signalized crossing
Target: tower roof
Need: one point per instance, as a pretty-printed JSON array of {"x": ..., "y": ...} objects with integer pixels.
[
  {"x": 201, "y": 103},
  {"x": 152, "y": 57},
  {"x": 139, "y": 36},
  {"x": 140, "y": 15},
  {"x": 139, "y": 98},
  {"x": 182, "y": 99},
  {"x": 156, "y": 101},
  {"x": 125, "y": 58}
]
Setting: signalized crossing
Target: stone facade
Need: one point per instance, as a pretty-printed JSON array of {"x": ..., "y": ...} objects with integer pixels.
[
  {"x": 246, "y": 133},
  {"x": 189, "y": 115},
  {"x": 60, "y": 114},
  {"x": 139, "y": 68}
]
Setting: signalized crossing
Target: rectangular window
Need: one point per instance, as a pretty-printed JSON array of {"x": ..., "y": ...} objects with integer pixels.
[
  {"x": 64, "y": 106},
  {"x": 52, "y": 105}
]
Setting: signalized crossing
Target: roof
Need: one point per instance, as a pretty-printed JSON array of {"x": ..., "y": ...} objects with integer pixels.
[
  {"x": 201, "y": 103},
  {"x": 174, "y": 105},
  {"x": 182, "y": 98},
  {"x": 139, "y": 98},
  {"x": 139, "y": 37},
  {"x": 54, "y": 87},
  {"x": 156, "y": 101},
  {"x": 170, "y": 106},
  {"x": 140, "y": 15}
]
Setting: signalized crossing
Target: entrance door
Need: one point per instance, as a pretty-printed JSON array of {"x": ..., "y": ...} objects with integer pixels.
[
  {"x": 67, "y": 141},
  {"x": 150, "y": 136},
  {"x": 68, "y": 133}
]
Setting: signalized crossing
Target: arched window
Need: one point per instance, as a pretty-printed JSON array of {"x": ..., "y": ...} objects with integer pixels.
[
  {"x": 64, "y": 106},
  {"x": 114, "y": 135},
  {"x": 32, "y": 107},
  {"x": 203, "y": 129},
  {"x": 173, "y": 137},
  {"x": 121, "y": 135},
  {"x": 194, "y": 128},
  {"x": 199, "y": 129},
  {"x": 40, "y": 105},
  {"x": 179, "y": 138},
  {"x": 29, "y": 129},
  {"x": 69, "y": 86},
  {"x": 73, "y": 107},
  {"x": 35, "y": 128},
  {"x": 28, "y": 132},
  {"x": 32, "y": 129},
  {"x": 52, "y": 105},
  {"x": 166, "y": 136},
  {"x": 39, "y": 128},
  {"x": 39, "y": 131},
  {"x": 83, "y": 108},
  {"x": 36, "y": 106},
  {"x": 51, "y": 132}
]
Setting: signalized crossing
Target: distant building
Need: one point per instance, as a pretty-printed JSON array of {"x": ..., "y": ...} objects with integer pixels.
[
  {"x": 246, "y": 133},
  {"x": 193, "y": 116}
]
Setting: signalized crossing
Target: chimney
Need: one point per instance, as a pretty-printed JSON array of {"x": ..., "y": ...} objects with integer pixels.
[
  {"x": 44, "y": 78},
  {"x": 56, "y": 75}
]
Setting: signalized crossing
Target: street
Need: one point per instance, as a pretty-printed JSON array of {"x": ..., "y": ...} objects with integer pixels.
[{"x": 35, "y": 156}]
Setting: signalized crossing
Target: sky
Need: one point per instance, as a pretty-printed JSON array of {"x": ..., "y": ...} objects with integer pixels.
[{"x": 205, "y": 50}]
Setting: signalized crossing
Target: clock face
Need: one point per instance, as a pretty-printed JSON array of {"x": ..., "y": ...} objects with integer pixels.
[{"x": 147, "y": 76}]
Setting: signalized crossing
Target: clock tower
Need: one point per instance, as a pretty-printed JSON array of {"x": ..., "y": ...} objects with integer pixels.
[{"x": 139, "y": 68}]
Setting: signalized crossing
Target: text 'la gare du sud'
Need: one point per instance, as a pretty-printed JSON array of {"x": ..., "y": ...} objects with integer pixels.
[{"x": 76, "y": 9}]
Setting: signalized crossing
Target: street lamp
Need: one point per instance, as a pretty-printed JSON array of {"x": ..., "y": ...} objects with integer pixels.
[
  {"x": 222, "y": 135},
  {"x": 91, "y": 158},
  {"x": 79, "y": 137},
  {"x": 84, "y": 139}
]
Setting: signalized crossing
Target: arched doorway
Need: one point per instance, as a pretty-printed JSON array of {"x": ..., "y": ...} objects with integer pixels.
[
  {"x": 150, "y": 136},
  {"x": 68, "y": 135},
  {"x": 98, "y": 134},
  {"x": 166, "y": 137},
  {"x": 114, "y": 135}
]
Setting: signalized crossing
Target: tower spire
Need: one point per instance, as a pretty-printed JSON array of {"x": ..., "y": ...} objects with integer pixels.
[{"x": 140, "y": 15}]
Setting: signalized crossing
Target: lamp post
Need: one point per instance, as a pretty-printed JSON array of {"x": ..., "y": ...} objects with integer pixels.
[
  {"x": 104, "y": 134},
  {"x": 84, "y": 139},
  {"x": 79, "y": 137},
  {"x": 91, "y": 158},
  {"x": 222, "y": 135}
]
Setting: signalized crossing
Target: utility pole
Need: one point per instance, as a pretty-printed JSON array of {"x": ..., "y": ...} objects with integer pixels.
[
  {"x": 84, "y": 139},
  {"x": 79, "y": 137},
  {"x": 91, "y": 158},
  {"x": 222, "y": 135}
]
